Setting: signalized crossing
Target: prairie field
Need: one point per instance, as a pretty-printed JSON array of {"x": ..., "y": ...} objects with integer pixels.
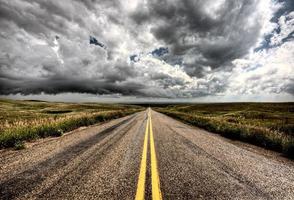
[
  {"x": 270, "y": 125},
  {"x": 28, "y": 120}
]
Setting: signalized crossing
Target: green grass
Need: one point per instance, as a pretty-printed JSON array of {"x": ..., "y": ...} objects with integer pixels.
[
  {"x": 29, "y": 120},
  {"x": 270, "y": 125}
]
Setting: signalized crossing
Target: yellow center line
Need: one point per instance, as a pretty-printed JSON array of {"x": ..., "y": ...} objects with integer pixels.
[
  {"x": 142, "y": 176},
  {"x": 156, "y": 193}
]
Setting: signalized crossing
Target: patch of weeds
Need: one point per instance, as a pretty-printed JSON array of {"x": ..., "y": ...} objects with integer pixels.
[
  {"x": 257, "y": 135},
  {"x": 19, "y": 145},
  {"x": 14, "y": 137}
]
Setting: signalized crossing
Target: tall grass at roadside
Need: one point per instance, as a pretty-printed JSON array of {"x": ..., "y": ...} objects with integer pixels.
[
  {"x": 257, "y": 135},
  {"x": 14, "y": 136},
  {"x": 28, "y": 120}
]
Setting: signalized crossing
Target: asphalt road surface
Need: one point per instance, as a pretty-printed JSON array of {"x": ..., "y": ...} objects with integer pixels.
[{"x": 143, "y": 156}]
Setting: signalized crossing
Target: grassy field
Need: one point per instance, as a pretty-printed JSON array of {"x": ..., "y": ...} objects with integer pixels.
[
  {"x": 28, "y": 120},
  {"x": 270, "y": 125}
]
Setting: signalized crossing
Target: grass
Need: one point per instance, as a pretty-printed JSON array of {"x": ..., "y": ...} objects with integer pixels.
[
  {"x": 269, "y": 125},
  {"x": 22, "y": 121}
]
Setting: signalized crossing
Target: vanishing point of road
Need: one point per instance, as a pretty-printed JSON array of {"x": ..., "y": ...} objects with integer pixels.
[{"x": 146, "y": 155}]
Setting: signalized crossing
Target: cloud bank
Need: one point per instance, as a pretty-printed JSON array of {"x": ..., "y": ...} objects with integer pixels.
[{"x": 171, "y": 49}]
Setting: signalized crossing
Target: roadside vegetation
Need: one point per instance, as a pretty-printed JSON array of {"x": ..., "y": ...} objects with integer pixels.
[
  {"x": 270, "y": 125},
  {"x": 29, "y": 120}
]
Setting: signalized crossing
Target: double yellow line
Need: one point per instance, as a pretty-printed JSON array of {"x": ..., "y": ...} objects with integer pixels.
[{"x": 156, "y": 193}]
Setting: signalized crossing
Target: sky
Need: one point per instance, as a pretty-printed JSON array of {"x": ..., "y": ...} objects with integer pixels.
[{"x": 147, "y": 50}]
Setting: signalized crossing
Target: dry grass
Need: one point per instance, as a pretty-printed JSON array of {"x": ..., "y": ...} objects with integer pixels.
[
  {"x": 28, "y": 120},
  {"x": 267, "y": 125}
]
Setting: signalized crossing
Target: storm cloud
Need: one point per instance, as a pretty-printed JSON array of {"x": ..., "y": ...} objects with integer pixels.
[
  {"x": 149, "y": 49},
  {"x": 213, "y": 33}
]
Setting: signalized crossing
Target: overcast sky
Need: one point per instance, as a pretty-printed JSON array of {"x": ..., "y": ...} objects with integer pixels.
[{"x": 147, "y": 50}]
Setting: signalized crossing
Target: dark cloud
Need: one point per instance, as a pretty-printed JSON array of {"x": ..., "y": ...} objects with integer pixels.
[
  {"x": 192, "y": 28},
  {"x": 290, "y": 88},
  {"x": 111, "y": 82},
  {"x": 157, "y": 48},
  {"x": 37, "y": 17}
]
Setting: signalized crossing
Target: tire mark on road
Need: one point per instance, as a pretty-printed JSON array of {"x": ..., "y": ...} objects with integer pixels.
[
  {"x": 26, "y": 181},
  {"x": 74, "y": 176}
]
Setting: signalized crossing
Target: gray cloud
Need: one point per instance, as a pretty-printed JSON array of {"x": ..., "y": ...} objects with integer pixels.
[
  {"x": 193, "y": 29},
  {"x": 200, "y": 43}
]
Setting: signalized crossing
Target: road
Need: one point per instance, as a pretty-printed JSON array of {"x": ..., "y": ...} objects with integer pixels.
[{"x": 144, "y": 155}]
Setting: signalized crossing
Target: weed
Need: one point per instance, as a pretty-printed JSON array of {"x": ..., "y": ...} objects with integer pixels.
[
  {"x": 29, "y": 120},
  {"x": 266, "y": 125},
  {"x": 19, "y": 145}
]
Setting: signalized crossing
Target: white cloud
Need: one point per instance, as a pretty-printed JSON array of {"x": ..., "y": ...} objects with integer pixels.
[
  {"x": 210, "y": 57},
  {"x": 286, "y": 25},
  {"x": 264, "y": 72}
]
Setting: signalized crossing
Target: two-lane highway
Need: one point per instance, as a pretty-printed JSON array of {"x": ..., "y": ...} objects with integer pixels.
[{"x": 143, "y": 156}]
